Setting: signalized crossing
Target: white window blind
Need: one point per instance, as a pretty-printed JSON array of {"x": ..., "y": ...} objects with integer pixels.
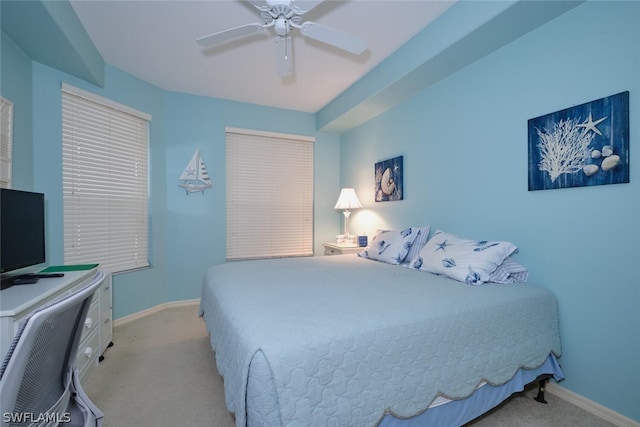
[
  {"x": 6, "y": 142},
  {"x": 105, "y": 183},
  {"x": 269, "y": 194}
]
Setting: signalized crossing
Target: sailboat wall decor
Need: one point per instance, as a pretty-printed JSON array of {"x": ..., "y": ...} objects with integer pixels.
[{"x": 195, "y": 177}]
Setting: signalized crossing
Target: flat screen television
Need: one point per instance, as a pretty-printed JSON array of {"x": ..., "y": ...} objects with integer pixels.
[{"x": 22, "y": 232}]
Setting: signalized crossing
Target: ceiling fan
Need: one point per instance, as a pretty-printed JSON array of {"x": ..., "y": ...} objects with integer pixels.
[{"x": 284, "y": 16}]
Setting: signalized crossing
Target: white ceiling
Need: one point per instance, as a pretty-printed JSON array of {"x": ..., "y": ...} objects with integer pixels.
[{"x": 155, "y": 41}]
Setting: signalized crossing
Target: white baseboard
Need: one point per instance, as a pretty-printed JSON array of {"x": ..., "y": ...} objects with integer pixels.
[
  {"x": 148, "y": 311},
  {"x": 591, "y": 406}
]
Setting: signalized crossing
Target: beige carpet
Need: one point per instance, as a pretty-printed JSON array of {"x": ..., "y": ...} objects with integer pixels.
[{"x": 161, "y": 372}]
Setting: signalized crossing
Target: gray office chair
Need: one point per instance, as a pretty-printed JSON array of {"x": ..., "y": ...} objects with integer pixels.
[{"x": 39, "y": 385}]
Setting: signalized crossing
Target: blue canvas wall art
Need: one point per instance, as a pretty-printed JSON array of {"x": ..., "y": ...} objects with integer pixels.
[
  {"x": 581, "y": 146},
  {"x": 388, "y": 180}
]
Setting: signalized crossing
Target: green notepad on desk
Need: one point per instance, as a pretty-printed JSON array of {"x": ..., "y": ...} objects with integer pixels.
[{"x": 62, "y": 268}]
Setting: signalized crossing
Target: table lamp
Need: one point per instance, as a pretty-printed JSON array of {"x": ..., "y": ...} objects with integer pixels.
[{"x": 347, "y": 200}]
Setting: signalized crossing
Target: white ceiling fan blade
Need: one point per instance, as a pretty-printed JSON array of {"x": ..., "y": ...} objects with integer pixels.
[
  {"x": 257, "y": 3},
  {"x": 333, "y": 37},
  {"x": 261, "y": 5},
  {"x": 306, "y": 5},
  {"x": 229, "y": 34},
  {"x": 283, "y": 56}
]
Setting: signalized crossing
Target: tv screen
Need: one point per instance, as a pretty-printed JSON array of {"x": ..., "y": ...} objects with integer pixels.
[{"x": 21, "y": 229}]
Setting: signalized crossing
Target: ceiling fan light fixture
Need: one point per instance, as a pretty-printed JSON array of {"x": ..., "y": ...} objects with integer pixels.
[{"x": 282, "y": 26}]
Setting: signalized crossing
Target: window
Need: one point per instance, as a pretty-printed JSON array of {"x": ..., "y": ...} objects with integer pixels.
[
  {"x": 105, "y": 184},
  {"x": 6, "y": 142},
  {"x": 269, "y": 194}
]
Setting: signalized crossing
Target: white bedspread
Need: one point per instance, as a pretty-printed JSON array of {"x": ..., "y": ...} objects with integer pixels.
[{"x": 344, "y": 338}]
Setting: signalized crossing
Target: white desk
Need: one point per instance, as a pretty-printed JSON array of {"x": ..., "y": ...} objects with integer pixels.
[{"x": 18, "y": 301}]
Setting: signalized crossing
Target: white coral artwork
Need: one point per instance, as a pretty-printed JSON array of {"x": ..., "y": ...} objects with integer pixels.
[
  {"x": 564, "y": 148},
  {"x": 584, "y": 145}
]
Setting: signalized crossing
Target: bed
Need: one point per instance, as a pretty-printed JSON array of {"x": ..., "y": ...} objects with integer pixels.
[{"x": 351, "y": 341}]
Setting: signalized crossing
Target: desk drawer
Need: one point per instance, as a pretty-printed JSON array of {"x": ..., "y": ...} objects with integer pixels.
[
  {"x": 87, "y": 356},
  {"x": 92, "y": 320}
]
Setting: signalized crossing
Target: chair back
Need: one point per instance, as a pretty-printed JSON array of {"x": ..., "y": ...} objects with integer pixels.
[{"x": 37, "y": 372}]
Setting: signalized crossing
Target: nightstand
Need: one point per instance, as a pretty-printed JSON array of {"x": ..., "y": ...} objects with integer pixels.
[{"x": 334, "y": 249}]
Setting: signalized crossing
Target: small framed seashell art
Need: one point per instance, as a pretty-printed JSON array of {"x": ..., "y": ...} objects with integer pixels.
[
  {"x": 388, "y": 180},
  {"x": 581, "y": 146}
]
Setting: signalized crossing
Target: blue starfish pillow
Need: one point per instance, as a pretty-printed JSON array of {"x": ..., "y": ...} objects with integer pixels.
[
  {"x": 390, "y": 246},
  {"x": 465, "y": 260}
]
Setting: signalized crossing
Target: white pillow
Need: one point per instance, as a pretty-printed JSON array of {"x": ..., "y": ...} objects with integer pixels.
[
  {"x": 466, "y": 260},
  {"x": 390, "y": 246}
]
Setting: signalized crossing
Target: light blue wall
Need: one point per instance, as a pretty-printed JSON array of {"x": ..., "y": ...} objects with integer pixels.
[
  {"x": 464, "y": 142},
  {"x": 196, "y": 222}
]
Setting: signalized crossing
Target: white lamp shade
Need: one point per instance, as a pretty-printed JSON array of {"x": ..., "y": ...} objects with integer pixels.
[{"x": 348, "y": 199}]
